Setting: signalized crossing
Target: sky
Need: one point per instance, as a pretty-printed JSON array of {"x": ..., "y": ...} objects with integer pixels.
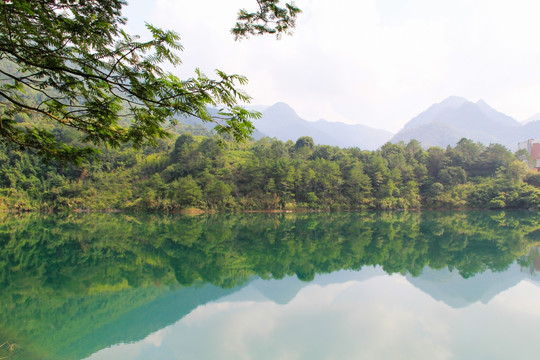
[{"x": 374, "y": 62}]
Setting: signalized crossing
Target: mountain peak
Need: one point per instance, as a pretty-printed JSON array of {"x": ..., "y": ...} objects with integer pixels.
[
  {"x": 495, "y": 115},
  {"x": 282, "y": 122},
  {"x": 535, "y": 117},
  {"x": 482, "y": 105},
  {"x": 433, "y": 113},
  {"x": 455, "y": 117},
  {"x": 282, "y": 107},
  {"x": 482, "y": 102},
  {"x": 453, "y": 101}
]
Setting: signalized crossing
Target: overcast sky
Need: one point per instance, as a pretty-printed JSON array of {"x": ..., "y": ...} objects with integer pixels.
[{"x": 374, "y": 62}]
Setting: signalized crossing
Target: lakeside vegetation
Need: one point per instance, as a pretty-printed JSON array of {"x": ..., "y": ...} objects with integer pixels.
[
  {"x": 195, "y": 172},
  {"x": 102, "y": 108}
]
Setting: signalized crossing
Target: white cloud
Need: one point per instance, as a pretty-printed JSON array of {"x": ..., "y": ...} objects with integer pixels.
[
  {"x": 377, "y": 62},
  {"x": 384, "y": 317}
]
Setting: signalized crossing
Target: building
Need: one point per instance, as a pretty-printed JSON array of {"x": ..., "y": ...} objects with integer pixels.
[{"x": 533, "y": 148}]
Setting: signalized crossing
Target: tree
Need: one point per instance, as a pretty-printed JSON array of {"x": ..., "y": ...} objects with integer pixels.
[
  {"x": 70, "y": 63},
  {"x": 468, "y": 151},
  {"x": 492, "y": 158},
  {"x": 186, "y": 192},
  {"x": 435, "y": 161},
  {"x": 304, "y": 146},
  {"x": 524, "y": 156},
  {"x": 268, "y": 19}
]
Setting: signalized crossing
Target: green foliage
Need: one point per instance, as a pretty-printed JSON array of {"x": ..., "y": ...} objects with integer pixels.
[
  {"x": 196, "y": 172},
  {"x": 268, "y": 19},
  {"x": 71, "y": 64},
  {"x": 71, "y": 76},
  {"x": 186, "y": 192},
  {"x": 524, "y": 156}
]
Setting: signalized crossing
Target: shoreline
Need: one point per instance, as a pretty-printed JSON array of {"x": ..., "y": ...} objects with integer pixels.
[{"x": 195, "y": 211}]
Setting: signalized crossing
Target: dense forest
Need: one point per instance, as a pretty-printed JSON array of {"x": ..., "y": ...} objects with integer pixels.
[
  {"x": 200, "y": 171},
  {"x": 203, "y": 172}
]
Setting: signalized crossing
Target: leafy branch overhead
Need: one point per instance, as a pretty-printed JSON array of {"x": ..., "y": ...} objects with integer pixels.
[
  {"x": 268, "y": 19},
  {"x": 70, "y": 63}
]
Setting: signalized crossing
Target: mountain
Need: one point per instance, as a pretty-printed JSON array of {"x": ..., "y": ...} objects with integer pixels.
[
  {"x": 358, "y": 135},
  {"x": 282, "y": 122},
  {"x": 455, "y": 291},
  {"x": 432, "y": 114},
  {"x": 535, "y": 117},
  {"x": 442, "y": 124},
  {"x": 495, "y": 115},
  {"x": 445, "y": 123}
]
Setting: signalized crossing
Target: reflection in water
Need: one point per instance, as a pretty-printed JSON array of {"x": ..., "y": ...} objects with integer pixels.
[
  {"x": 73, "y": 285},
  {"x": 350, "y": 320}
]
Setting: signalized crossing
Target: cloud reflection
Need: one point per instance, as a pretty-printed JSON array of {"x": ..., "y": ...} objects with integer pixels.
[{"x": 384, "y": 317}]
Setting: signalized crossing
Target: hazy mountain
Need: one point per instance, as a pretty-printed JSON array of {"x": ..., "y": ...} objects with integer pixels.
[
  {"x": 535, "y": 117},
  {"x": 432, "y": 114},
  {"x": 442, "y": 124},
  {"x": 259, "y": 108},
  {"x": 347, "y": 135},
  {"x": 445, "y": 123},
  {"x": 495, "y": 115},
  {"x": 452, "y": 289},
  {"x": 434, "y": 134},
  {"x": 282, "y": 122},
  {"x": 530, "y": 130}
]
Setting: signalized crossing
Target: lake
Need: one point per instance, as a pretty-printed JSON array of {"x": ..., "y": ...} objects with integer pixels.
[{"x": 375, "y": 285}]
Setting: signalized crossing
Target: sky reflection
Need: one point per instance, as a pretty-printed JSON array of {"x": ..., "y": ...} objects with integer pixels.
[{"x": 377, "y": 317}]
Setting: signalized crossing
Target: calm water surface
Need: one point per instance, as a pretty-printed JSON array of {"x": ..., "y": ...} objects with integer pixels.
[{"x": 420, "y": 285}]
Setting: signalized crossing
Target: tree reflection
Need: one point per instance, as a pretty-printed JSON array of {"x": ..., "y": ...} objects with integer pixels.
[
  {"x": 83, "y": 252},
  {"x": 77, "y": 272}
]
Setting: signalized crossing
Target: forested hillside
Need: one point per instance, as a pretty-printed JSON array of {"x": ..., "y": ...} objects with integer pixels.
[{"x": 196, "y": 172}]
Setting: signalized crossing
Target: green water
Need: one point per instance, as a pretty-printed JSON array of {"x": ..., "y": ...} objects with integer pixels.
[{"x": 75, "y": 286}]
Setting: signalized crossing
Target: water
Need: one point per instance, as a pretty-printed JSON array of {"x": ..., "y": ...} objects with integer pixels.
[{"x": 433, "y": 285}]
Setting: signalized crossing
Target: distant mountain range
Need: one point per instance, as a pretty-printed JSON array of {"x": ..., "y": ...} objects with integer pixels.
[
  {"x": 535, "y": 117},
  {"x": 442, "y": 124},
  {"x": 282, "y": 122},
  {"x": 445, "y": 123}
]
